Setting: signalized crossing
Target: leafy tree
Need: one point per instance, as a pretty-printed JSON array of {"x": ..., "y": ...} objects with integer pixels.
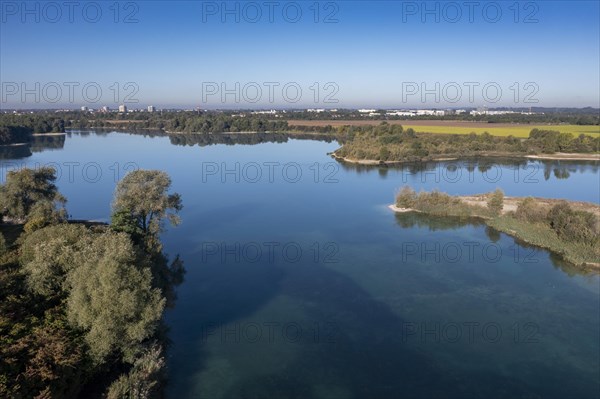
[
  {"x": 123, "y": 221},
  {"x": 144, "y": 194},
  {"x": 406, "y": 198},
  {"x": 112, "y": 297},
  {"x": 42, "y": 214},
  {"x": 30, "y": 190},
  {"x": 495, "y": 202},
  {"x": 142, "y": 380},
  {"x": 573, "y": 225},
  {"x": 49, "y": 254}
]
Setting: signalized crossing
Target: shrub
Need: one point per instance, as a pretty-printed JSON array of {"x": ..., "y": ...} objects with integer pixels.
[
  {"x": 406, "y": 198},
  {"x": 528, "y": 210},
  {"x": 573, "y": 225},
  {"x": 495, "y": 202},
  {"x": 384, "y": 154}
]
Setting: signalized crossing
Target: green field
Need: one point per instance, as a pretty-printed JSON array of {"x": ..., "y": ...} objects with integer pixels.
[{"x": 517, "y": 131}]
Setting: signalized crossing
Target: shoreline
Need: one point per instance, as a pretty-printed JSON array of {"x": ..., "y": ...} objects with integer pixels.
[
  {"x": 510, "y": 205},
  {"x": 49, "y": 134},
  {"x": 13, "y": 144},
  {"x": 555, "y": 157},
  {"x": 567, "y": 156}
]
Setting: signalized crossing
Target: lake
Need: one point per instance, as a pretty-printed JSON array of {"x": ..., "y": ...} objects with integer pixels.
[{"x": 302, "y": 283}]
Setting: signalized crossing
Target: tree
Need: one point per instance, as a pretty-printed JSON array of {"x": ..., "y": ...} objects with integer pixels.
[
  {"x": 123, "y": 221},
  {"x": 28, "y": 190},
  {"x": 144, "y": 195},
  {"x": 406, "y": 198},
  {"x": 495, "y": 202},
  {"x": 141, "y": 381},
  {"x": 48, "y": 255},
  {"x": 112, "y": 297},
  {"x": 573, "y": 225},
  {"x": 42, "y": 214}
]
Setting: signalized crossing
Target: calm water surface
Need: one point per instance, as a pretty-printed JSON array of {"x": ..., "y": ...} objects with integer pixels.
[{"x": 301, "y": 283}]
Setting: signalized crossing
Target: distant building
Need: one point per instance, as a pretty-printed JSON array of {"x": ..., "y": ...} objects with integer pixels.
[
  {"x": 151, "y": 108},
  {"x": 425, "y": 112},
  {"x": 123, "y": 108},
  {"x": 271, "y": 112},
  {"x": 105, "y": 109},
  {"x": 366, "y": 111},
  {"x": 84, "y": 109},
  {"x": 400, "y": 113}
]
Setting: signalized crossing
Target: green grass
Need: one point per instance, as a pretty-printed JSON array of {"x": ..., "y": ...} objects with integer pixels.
[
  {"x": 516, "y": 131},
  {"x": 543, "y": 236}
]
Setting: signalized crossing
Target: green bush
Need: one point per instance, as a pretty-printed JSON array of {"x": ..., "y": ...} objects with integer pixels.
[
  {"x": 406, "y": 198},
  {"x": 495, "y": 202},
  {"x": 528, "y": 210},
  {"x": 573, "y": 225}
]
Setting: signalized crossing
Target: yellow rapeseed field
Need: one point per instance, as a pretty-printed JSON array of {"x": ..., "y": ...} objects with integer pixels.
[{"x": 517, "y": 131}]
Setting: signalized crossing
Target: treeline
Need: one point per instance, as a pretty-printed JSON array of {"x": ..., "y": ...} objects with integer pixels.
[
  {"x": 554, "y": 224},
  {"x": 15, "y": 134},
  {"x": 39, "y": 122},
  {"x": 18, "y": 128},
  {"x": 391, "y": 143},
  {"x": 184, "y": 122},
  {"x": 586, "y": 116},
  {"x": 81, "y": 304}
]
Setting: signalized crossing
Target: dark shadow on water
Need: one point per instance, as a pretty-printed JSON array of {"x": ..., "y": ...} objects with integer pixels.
[
  {"x": 364, "y": 356},
  {"x": 37, "y": 144},
  {"x": 15, "y": 151},
  {"x": 367, "y": 357},
  {"x": 433, "y": 223}
]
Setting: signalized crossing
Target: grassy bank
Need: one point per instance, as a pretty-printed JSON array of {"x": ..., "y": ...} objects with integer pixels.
[{"x": 569, "y": 229}]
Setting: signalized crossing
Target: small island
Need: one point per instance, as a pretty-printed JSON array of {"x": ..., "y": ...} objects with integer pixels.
[{"x": 568, "y": 228}]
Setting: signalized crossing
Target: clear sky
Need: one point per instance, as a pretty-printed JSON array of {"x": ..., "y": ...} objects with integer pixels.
[{"x": 275, "y": 54}]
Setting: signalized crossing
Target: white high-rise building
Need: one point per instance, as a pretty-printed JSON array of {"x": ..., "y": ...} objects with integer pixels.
[
  {"x": 123, "y": 108},
  {"x": 151, "y": 108}
]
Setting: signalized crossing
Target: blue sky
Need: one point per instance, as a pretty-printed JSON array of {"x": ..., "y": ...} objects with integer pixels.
[{"x": 390, "y": 54}]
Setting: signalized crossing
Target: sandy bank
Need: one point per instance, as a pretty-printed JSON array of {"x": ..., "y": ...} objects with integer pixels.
[{"x": 557, "y": 156}]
